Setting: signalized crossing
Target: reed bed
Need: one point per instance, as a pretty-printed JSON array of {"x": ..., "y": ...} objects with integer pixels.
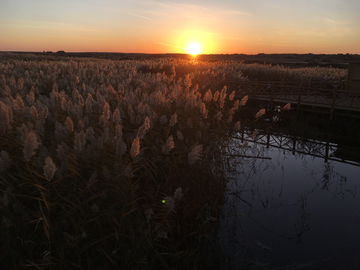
[
  {"x": 114, "y": 164},
  {"x": 108, "y": 165},
  {"x": 268, "y": 72}
]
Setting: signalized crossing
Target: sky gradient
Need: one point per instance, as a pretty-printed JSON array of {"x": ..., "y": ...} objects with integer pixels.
[{"x": 168, "y": 26}]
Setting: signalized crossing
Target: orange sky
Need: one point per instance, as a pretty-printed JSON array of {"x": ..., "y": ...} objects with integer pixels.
[{"x": 167, "y": 26}]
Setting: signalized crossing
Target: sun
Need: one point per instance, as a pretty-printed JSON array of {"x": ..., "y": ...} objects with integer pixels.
[{"x": 194, "y": 49}]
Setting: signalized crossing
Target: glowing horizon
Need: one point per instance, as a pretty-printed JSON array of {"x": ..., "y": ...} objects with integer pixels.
[
  {"x": 166, "y": 26},
  {"x": 194, "y": 49}
]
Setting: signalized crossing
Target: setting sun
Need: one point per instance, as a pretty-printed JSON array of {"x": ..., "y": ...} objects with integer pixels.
[{"x": 194, "y": 49}]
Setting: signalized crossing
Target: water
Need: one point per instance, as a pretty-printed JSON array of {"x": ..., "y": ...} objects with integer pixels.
[{"x": 292, "y": 209}]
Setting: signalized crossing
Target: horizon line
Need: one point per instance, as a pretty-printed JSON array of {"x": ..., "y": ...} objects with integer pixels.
[{"x": 260, "y": 53}]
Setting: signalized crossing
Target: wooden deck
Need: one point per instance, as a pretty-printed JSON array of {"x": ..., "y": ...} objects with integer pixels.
[{"x": 332, "y": 96}]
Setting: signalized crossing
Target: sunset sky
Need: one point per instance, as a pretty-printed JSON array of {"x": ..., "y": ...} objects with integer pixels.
[{"x": 169, "y": 26}]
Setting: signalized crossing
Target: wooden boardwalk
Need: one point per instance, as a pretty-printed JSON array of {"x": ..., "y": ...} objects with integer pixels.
[
  {"x": 332, "y": 96},
  {"x": 310, "y": 147}
]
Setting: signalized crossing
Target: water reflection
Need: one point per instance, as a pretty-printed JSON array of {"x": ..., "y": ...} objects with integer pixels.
[{"x": 295, "y": 206}]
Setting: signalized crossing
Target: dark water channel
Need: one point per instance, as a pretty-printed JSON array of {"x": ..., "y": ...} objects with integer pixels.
[{"x": 296, "y": 206}]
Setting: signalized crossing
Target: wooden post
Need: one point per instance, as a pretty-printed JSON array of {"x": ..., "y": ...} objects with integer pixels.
[
  {"x": 333, "y": 103},
  {"x": 294, "y": 145},
  {"x": 299, "y": 99},
  {"x": 271, "y": 96},
  {"x": 327, "y": 152}
]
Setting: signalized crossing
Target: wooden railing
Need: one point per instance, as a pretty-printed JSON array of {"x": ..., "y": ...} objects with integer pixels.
[
  {"x": 318, "y": 94},
  {"x": 311, "y": 147}
]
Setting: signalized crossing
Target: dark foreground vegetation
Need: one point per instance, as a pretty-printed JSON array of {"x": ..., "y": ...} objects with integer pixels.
[{"x": 110, "y": 164}]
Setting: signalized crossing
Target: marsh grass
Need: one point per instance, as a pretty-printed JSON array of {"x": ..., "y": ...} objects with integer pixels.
[
  {"x": 125, "y": 166},
  {"x": 105, "y": 167},
  {"x": 72, "y": 223}
]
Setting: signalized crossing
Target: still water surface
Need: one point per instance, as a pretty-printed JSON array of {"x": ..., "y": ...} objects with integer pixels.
[{"x": 292, "y": 209}]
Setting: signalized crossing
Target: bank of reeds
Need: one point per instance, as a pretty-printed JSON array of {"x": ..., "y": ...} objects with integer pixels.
[
  {"x": 104, "y": 166},
  {"x": 113, "y": 164},
  {"x": 268, "y": 72}
]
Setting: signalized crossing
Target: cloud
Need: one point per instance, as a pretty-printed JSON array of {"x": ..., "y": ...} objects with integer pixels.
[
  {"x": 235, "y": 12},
  {"x": 169, "y": 45},
  {"x": 179, "y": 5},
  {"x": 330, "y": 28},
  {"x": 139, "y": 16}
]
